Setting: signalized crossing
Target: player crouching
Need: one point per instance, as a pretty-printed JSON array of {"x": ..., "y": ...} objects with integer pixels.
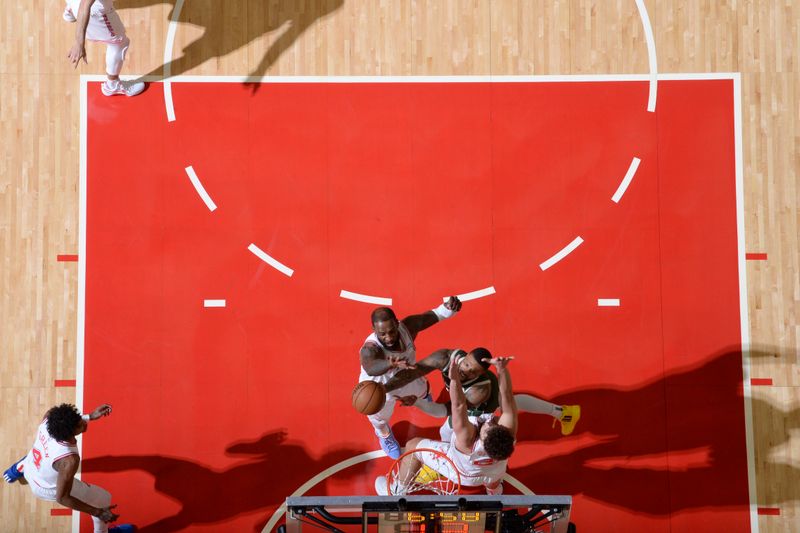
[{"x": 51, "y": 465}]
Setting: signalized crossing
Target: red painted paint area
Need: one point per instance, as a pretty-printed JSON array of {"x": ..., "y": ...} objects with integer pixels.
[{"x": 413, "y": 191}]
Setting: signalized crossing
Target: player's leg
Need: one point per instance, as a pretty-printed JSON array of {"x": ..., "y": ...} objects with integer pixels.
[
  {"x": 97, "y": 497},
  {"x": 409, "y": 466},
  {"x": 115, "y": 57},
  {"x": 429, "y": 407},
  {"x": 380, "y": 421},
  {"x": 14, "y": 472},
  {"x": 567, "y": 415},
  {"x": 415, "y": 468},
  {"x": 108, "y": 28}
]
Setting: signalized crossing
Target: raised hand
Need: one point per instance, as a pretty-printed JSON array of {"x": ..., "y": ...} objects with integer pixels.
[
  {"x": 396, "y": 361},
  {"x": 407, "y": 400},
  {"x": 501, "y": 362},
  {"x": 101, "y": 411},
  {"x": 453, "y": 304},
  {"x": 106, "y": 515},
  {"x": 454, "y": 373}
]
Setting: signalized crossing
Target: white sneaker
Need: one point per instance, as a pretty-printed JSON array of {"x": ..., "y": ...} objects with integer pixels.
[
  {"x": 68, "y": 15},
  {"x": 381, "y": 486},
  {"x": 128, "y": 88}
]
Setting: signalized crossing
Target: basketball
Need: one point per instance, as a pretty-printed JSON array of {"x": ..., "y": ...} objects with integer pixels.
[{"x": 368, "y": 397}]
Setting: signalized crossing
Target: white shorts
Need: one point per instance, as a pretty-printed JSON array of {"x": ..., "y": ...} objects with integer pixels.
[
  {"x": 103, "y": 27},
  {"x": 436, "y": 462},
  {"x": 418, "y": 388},
  {"x": 445, "y": 468},
  {"x": 91, "y": 494}
]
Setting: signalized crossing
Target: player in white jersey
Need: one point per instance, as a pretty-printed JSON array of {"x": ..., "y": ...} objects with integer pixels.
[
  {"x": 51, "y": 464},
  {"x": 97, "y": 20},
  {"x": 479, "y": 448},
  {"x": 389, "y": 349}
]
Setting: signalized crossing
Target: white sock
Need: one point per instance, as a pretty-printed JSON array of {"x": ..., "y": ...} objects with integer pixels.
[
  {"x": 532, "y": 404},
  {"x": 437, "y": 410}
]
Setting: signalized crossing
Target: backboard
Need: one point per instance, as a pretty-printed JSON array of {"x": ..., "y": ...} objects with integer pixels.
[{"x": 429, "y": 514}]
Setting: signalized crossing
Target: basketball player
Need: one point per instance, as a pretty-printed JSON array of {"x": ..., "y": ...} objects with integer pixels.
[
  {"x": 480, "y": 388},
  {"x": 97, "y": 20},
  {"x": 479, "y": 450},
  {"x": 51, "y": 465},
  {"x": 390, "y": 348}
]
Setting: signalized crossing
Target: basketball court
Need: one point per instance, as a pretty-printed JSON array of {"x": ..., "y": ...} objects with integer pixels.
[
  {"x": 598, "y": 240},
  {"x": 608, "y": 187}
]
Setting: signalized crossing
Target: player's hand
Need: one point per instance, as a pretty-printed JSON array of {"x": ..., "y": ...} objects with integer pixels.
[
  {"x": 407, "y": 400},
  {"x": 106, "y": 515},
  {"x": 396, "y": 361},
  {"x": 76, "y": 53},
  {"x": 501, "y": 362},
  {"x": 453, "y": 304},
  {"x": 100, "y": 412},
  {"x": 454, "y": 373}
]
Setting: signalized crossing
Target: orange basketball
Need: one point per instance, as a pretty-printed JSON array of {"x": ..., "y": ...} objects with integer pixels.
[{"x": 369, "y": 397}]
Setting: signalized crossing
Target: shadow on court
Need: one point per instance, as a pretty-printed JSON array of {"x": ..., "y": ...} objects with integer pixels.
[
  {"x": 669, "y": 445},
  {"x": 231, "y": 24},
  {"x": 208, "y": 496}
]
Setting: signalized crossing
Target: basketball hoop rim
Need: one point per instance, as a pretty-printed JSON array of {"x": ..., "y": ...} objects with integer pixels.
[{"x": 396, "y": 464}]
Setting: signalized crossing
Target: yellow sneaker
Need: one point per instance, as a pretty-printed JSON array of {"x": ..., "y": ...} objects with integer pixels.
[
  {"x": 570, "y": 414},
  {"x": 426, "y": 475}
]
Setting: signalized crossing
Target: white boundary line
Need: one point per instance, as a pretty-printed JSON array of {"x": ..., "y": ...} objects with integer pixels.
[
  {"x": 271, "y": 261},
  {"x": 474, "y": 295},
  {"x": 651, "y": 55},
  {"x": 79, "y": 351},
  {"x": 623, "y": 186},
  {"x": 589, "y": 78},
  {"x": 366, "y": 298},
  {"x": 561, "y": 254},
  {"x": 351, "y": 462},
  {"x": 743, "y": 309},
  {"x": 736, "y": 77},
  {"x": 168, "y": 45},
  {"x": 199, "y": 188},
  {"x": 319, "y": 477}
]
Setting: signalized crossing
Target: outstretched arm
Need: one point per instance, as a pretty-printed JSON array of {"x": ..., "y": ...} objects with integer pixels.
[
  {"x": 376, "y": 364},
  {"x": 508, "y": 405},
  {"x": 416, "y": 323},
  {"x": 435, "y": 361},
  {"x": 463, "y": 429},
  {"x": 100, "y": 412},
  {"x": 78, "y": 50}
]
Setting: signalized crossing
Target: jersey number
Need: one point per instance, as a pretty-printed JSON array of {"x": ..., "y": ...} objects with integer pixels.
[{"x": 37, "y": 458}]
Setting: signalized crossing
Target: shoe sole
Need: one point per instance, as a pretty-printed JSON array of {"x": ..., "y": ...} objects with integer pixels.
[{"x": 119, "y": 93}]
